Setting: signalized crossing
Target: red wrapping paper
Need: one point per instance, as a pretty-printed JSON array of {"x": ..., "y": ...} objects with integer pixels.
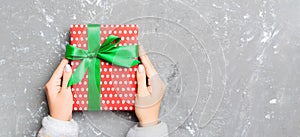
[{"x": 118, "y": 84}]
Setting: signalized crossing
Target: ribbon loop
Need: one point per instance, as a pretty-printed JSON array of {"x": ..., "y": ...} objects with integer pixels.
[{"x": 109, "y": 43}]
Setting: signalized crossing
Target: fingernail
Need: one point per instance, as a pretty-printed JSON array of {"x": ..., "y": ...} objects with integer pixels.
[
  {"x": 68, "y": 68},
  {"x": 141, "y": 68}
]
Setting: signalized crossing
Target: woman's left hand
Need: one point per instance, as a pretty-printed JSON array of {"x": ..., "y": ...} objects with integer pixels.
[{"x": 59, "y": 96}]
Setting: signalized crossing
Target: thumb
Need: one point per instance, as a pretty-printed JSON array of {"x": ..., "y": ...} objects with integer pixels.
[
  {"x": 66, "y": 76},
  {"x": 141, "y": 79}
]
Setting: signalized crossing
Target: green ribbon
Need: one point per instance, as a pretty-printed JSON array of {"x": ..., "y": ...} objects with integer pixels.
[{"x": 125, "y": 56}]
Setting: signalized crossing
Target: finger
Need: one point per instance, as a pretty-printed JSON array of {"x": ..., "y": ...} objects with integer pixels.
[
  {"x": 141, "y": 50},
  {"x": 150, "y": 70},
  {"x": 60, "y": 69},
  {"x": 66, "y": 76},
  {"x": 149, "y": 82},
  {"x": 67, "y": 92},
  {"x": 52, "y": 90},
  {"x": 58, "y": 82},
  {"x": 156, "y": 91},
  {"x": 141, "y": 79},
  {"x": 157, "y": 87},
  {"x": 149, "y": 89}
]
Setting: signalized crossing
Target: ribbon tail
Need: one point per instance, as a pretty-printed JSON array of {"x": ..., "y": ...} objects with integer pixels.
[{"x": 78, "y": 74}]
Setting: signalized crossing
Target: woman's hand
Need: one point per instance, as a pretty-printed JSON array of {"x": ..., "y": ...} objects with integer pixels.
[
  {"x": 149, "y": 97},
  {"x": 59, "y": 96}
]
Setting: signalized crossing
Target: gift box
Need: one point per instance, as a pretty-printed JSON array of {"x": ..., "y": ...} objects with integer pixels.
[{"x": 117, "y": 85}]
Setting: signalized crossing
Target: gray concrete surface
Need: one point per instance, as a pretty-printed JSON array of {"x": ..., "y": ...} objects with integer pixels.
[{"x": 231, "y": 66}]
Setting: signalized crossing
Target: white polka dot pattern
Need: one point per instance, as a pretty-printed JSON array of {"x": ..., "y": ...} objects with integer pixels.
[{"x": 118, "y": 84}]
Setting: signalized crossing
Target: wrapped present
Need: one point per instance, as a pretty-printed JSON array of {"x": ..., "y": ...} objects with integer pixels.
[{"x": 104, "y": 62}]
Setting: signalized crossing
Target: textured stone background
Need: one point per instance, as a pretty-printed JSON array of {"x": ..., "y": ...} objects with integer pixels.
[{"x": 231, "y": 66}]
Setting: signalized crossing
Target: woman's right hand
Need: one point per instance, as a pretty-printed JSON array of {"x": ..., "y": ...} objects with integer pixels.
[{"x": 149, "y": 97}]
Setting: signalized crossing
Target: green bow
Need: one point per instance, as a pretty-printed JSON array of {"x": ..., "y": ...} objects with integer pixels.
[{"x": 125, "y": 56}]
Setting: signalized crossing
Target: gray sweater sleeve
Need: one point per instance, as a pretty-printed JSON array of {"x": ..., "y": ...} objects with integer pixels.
[
  {"x": 57, "y": 128},
  {"x": 159, "y": 130}
]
